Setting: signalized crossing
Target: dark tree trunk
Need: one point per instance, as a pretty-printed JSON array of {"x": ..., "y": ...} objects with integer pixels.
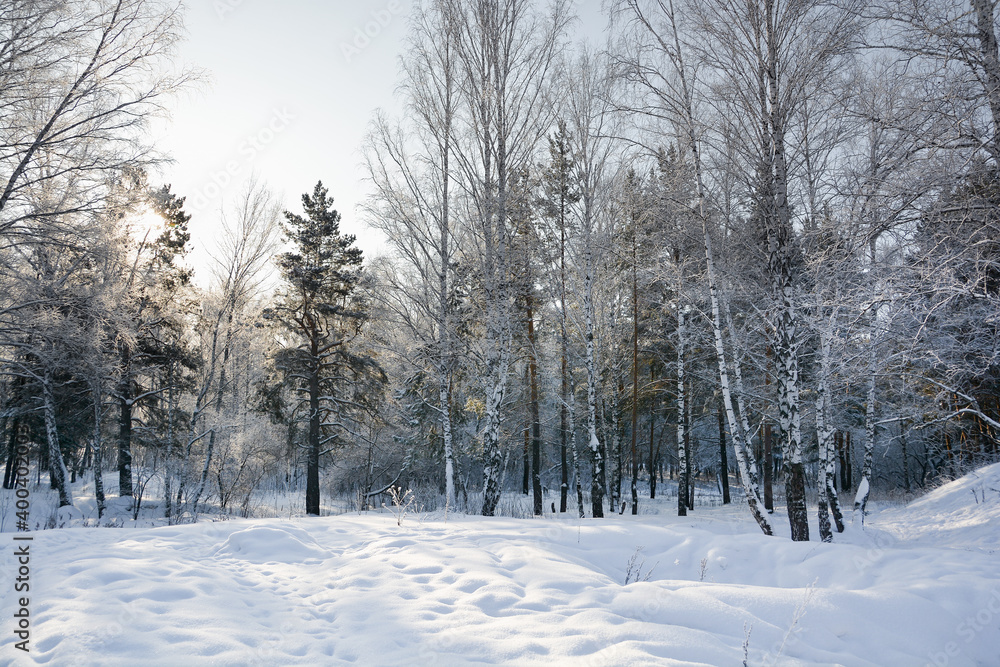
[
  {"x": 768, "y": 469},
  {"x": 906, "y": 462},
  {"x": 612, "y": 491},
  {"x": 536, "y": 425},
  {"x": 125, "y": 428},
  {"x": 312, "y": 460},
  {"x": 526, "y": 454},
  {"x": 96, "y": 395},
  {"x": 849, "y": 448},
  {"x": 564, "y": 437},
  {"x": 723, "y": 458},
  {"x": 652, "y": 435},
  {"x": 8, "y": 473}
]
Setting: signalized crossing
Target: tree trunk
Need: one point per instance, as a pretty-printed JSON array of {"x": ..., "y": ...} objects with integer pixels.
[
  {"x": 57, "y": 467},
  {"x": 536, "y": 423},
  {"x": 596, "y": 458},
  {"x": 493, "y": 459},
  {"x": 96, "y": 396},
  {"x": 614, "y": 434},
  {"x": 905, "y": 457},
  {"x": 689, "y": 474},
  {"x": 635, "y": 379},
  {"x": 747, "y": 468},
  {"x": 824, "y": 438},
  {"x": 312, "y": 453},
  {"x": 652, "y": 433},
  {"x": 526, "y": 449},
  {"x": 13, "y": 425},
  {"x": 768, "y": 467},
  {"x": 576, "y": 458},
  {"x": 682, "y": 456},
  {"x": 990, "y": 62},
  {"x": 723, "y": 458},
  {"x": 125, "y": 427}
]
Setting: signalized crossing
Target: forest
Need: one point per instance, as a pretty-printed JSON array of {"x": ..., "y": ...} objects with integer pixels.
[{"x": 741, "y": 250}]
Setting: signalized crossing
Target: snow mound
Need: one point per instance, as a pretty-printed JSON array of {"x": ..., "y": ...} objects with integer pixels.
[
  {"x": 961, "y": 514},
  {"x": 268, "y": 544}
]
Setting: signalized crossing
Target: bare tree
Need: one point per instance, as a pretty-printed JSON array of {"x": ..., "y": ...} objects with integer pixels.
[
  {"x": 411, "y": 169},
  {"x": 506, "y": 53},
  {"x": 591, "y": 124},
  {"x": 81, "y": 80},
  {"x": 239, "y": 266},
  {"x": 660, "y": 69}
]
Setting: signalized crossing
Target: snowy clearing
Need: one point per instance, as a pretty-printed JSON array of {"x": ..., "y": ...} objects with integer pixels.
[{"x": 919, "y": 586}]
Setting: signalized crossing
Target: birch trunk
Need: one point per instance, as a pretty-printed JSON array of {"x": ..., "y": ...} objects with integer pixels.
[
  {"x": 576, "y": 455},
  {"x": 597, "y": 461},
  {"x": 864, "y": 486},
  {"x": 747, "y": 479},
  {"x": 779, "y": 247},
  {"x": 57, "y": 467},
  {"x": 682, "y": 462}
]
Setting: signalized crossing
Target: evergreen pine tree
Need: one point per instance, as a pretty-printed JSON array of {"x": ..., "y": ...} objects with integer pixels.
[{"x": 322, "y": 307}]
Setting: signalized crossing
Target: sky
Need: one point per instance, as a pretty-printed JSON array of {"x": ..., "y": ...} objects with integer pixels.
[{"x": 288, "y": 94}]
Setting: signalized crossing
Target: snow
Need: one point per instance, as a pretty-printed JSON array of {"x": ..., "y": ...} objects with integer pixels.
[{"x": 919, "y": 585}]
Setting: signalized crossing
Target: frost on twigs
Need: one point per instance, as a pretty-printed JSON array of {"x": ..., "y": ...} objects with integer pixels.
[
  {"x": 402, "y": 503},
  {"x": 633, "y": 570}
]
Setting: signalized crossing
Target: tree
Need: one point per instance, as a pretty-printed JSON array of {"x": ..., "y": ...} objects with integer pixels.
[
  {"x": 321, "y": 309},
  {"x": 591, "y": 125},
  {"x": 559, "y": 195},
  {"x": 152, "y": 323},
  {"x": 668, "y": 93},
  {"x": 411, "y": 168},
  {"x": 245, "y": 248},
  {"x": 506, "y": 53},
  {"x": 81, "y": 80}
]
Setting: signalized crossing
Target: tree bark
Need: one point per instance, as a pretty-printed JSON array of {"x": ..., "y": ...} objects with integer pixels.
[
  {"x": 125, "y": 426},
  {"x": 57, "y": 467},
  {"x": 780, "y": 250},
  {"x": 723, "y": 458},
  {"x": 635, "y": 375},
  {"x": 536, "y": 424},
  {"x": 312, "y": 453},
  {"x": 682, "y": 456}
]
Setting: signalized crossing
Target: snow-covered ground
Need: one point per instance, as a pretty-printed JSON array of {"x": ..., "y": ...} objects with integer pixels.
[{"x": 920, "y": 585}]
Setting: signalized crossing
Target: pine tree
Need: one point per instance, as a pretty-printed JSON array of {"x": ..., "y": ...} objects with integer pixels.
[
  {"x": 323, "y": 308},
  {"x": 560, "y": 195}
]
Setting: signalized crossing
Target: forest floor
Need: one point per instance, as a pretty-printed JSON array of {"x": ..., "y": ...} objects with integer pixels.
[{"x": 918, "y": 585}]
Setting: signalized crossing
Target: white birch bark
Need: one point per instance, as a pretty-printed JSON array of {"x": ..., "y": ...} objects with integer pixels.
[
  {"x": 57, "y": 466},
  {"x": 864, "y": 486},
  {"x": 682, "y": 463},
  {"x": 593, "y": 442}
]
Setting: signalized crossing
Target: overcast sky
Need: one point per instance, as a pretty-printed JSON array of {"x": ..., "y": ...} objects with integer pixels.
[{"x": 291, "y": 88}]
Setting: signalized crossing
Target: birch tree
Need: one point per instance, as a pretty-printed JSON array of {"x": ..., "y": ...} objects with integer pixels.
[
  {"x": 506, "y": 53},
  {"x": 659, "y": 67},
  {"x": 81, "y": 80},
  {"x": 412, "y": 168},
  {"x": 590, "y": 122}
]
